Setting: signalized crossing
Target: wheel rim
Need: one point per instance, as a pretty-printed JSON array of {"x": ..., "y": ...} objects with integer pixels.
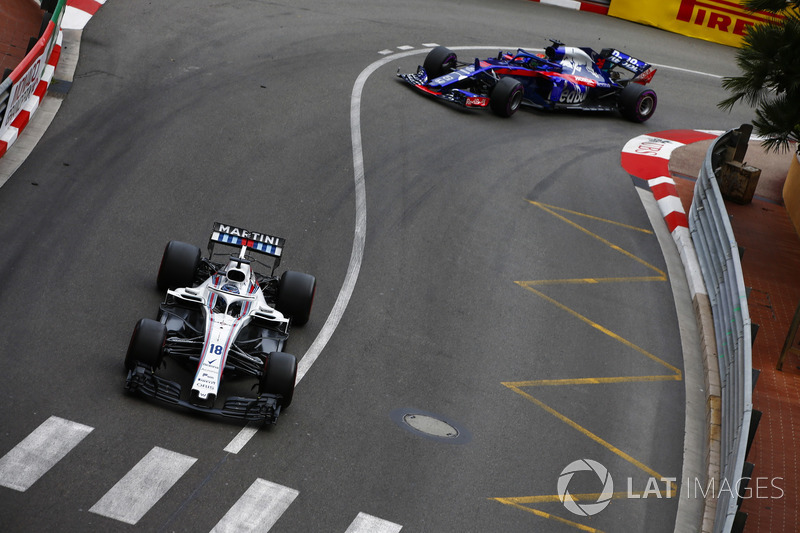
[
  {"x": 516, "y": 100},
  {"x": 646, "y": 105}
]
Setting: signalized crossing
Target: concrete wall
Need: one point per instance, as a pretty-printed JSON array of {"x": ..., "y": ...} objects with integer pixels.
[{"x": 791, "y": 192}]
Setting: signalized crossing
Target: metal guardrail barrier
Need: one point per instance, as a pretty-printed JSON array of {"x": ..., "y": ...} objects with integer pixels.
[
  {"x": 5, "y": 95},
  {"x": 718, "y": 255}
]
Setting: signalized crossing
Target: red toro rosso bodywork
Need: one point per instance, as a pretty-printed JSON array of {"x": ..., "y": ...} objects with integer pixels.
[{"x": 564, "y": 77}]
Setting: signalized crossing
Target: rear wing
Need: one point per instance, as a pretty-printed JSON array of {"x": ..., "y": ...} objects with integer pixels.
[
  {"x": 246, "y": 240},
  {"x": 642, "y": 72}
]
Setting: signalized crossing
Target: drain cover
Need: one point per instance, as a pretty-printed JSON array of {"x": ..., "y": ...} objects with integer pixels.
[{"x": 429, "y": 425}]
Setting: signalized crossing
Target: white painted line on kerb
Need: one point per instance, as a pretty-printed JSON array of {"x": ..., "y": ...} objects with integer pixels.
[
  {"x": 359, "y": 237},
  {"x": 258, "y": 509},
  {"x": 133, "y": 495},
  {"x": 365, "y": 523},
  {"x": 39, "y": 452}
]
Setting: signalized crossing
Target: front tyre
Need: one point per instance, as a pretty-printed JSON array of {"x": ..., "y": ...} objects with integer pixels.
[
  {"x": 147, "y": 344},
  {"x": 178, "y": 265},
  {"x": 296, "y": 296},
  {"x": 637, "y": 103},
  {"x": 280, "y": 373},
  {"x": 506, "y": 97},
  {"x": 439, "y": 61}
]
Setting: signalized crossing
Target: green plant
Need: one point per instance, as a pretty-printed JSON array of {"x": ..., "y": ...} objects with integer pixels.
[{"x": 769, "y": 59}]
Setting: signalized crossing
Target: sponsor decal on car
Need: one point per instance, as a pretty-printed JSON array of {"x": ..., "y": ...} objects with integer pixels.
[
  {"x": 573, "y": 94},
  {"x": 261, "y": 242},
  {"x": 477, "y": 101}
]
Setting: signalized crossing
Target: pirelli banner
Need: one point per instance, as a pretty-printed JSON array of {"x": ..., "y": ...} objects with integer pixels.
[{"x": 720, "y": 21}]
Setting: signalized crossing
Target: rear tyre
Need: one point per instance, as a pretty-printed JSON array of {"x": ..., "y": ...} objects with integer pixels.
[
  {"x": 147, "y": 344},
  {"x": 178, "y": 265},
  {"x": 280, "y": 373},
  {"x": 439, "y": 61},
  {"x": 506, "y": 97},
  {"x": 637, "y": 103},
  {"x": 296, "y": 296}
]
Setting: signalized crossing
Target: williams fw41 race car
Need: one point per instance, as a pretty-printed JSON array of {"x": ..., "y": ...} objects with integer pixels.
[
  {"x": 564, "y": 77},
  {"x": 222, "y": 320}
]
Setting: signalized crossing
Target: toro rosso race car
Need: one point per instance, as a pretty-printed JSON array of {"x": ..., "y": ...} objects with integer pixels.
[
  {"x": 222, "y": 320},
  {"x": 564, "y": 77}
]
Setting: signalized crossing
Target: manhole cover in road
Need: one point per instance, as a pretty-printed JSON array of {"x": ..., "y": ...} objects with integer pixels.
[{"x": 430, "y": 425}]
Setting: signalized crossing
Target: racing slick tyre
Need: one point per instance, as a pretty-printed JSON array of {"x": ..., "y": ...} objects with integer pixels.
[
  {"x": 439, "y": 61},
  {"x": 637, "y": 103},
  {"x": 506, "y": 97},
  {"x": 178, "y": 265},
  {"x": 280, "y": 373},
  {"x": 296, "y": 296},
  {"x": 147, "y": 344}
]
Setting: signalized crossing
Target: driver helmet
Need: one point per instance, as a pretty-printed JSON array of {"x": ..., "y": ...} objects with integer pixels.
[{"x": 230, "y": 287}]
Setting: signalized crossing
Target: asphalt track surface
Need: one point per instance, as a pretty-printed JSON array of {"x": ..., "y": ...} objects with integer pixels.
[{"x": 471, "y": 304}]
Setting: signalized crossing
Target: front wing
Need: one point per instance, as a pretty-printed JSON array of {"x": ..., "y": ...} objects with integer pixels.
[
  {"x": 456, "y": 96},
  {"x": 141, "y": 380}
]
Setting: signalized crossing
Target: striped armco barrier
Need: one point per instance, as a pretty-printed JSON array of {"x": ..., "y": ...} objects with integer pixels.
[
  {"x": 26, "y": 86},
  {"x": 24, "y": 108}
]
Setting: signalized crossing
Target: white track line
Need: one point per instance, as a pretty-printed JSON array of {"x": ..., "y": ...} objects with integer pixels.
[
  {"x": 258, "y": 509},
  {"x": 365, "y": 523},
  {"x": 686, "y": 70},
  {"x": 141, "y": 488},
  {"x": 39, "y": 452}
]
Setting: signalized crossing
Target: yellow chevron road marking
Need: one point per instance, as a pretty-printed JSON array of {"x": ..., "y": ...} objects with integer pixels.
[
  {"x": 608, "y": 243},
  {"x": 592, "y": 217},
  {"x": 518, "y": 386},
  {"x": 585, "y": 432}
]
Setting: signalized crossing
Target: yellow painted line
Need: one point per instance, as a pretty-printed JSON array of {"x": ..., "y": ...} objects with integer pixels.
[
  {"x": 589, "y": 281},
  {"x": 593, "y": 497},
  {"x": 602, "y": 329},
  {"x": 598, "y": 237},
  {"x": 613, "y": 449},
  {"x": 592, "y": 217},
  {"x": 548, "y": 515},
  {"x": 592, "y": 381},
  {"x": 522, "y": 502}
]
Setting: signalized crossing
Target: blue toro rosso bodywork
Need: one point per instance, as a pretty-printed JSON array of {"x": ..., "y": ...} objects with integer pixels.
[{"x": 564, "y": 77}]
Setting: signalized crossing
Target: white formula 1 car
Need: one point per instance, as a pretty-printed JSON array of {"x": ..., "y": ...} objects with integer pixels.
[{"x": 222, "y": 320}]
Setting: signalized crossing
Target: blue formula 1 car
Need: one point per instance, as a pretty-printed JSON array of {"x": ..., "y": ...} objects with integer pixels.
[{"x": 564, "y": 77}]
